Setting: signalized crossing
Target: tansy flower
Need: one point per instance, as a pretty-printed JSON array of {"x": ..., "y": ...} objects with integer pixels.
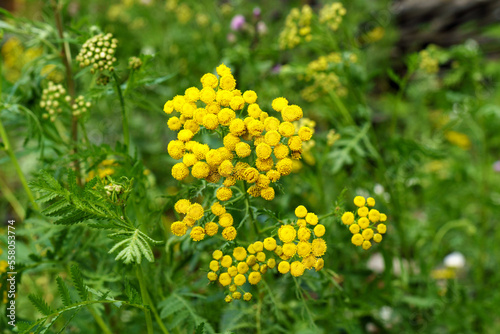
[
  {"x": 320, "y": 263},
  {"x": 182, "y": 205},
  {"x": 218, "y": 209},
  {"x": 370, "y": 201},
  {"x": 200, "y": 170},
  {"x": 363, "y": 222},
  {"x": 210, "y": 121},
  {"x": 289, "y": 249},
  {"x": 359, "y": 201},
  {"x": 242, "y": 267},
  {"x": 224, "y": 193},
  {"x": 223, "y": 70},
  {"x": 309, "y": 261},
  {"x": 319, "y": 230},
  {"x": 348, "y": 218},
  {"x": 264, "y": 165},
  {"x": 291, "y": 113},
  {"x": 254, "y": 277},
  {"x": 284, "y": 166},
  {"x": 270, "y": 244},
  {"x": 178, "y": 228},
  {"x": 247, "y": 296},
  {"x": 281, "y": 151},
  {"x": 284, "y": 267},
  {"x": 311, "y": 218},
  {"x": 305, "y": 133},
  {"x": 195, "y": 211},
  {"x": 286, "y": 129},
  {"x": 261, "y": 256},
  {"x": 357, "y": 239},
  {"x": 374, "y": 215},
  {"x": 258, "y": 246},
  {"x": 226, "y": 261},
  {"x": 211, "y": 229},
  {"x": 251, "y": 260},
  {"x": 250, "y": 96},
  {"x": 197, "y": 233},
  {"x": 318, "y": 247},
  {"x": 229, "y": 233},
  {"x": 287, "y": 233},
  {"x": 239, "y": 253},
  {"x": 354, "y": 228},
  {"x": 243, "y": 150},
  {"x": 279, "y": 104},
  {"x": 381, "y": 228},
  {"x": 303, "y": 248},
  {"x": 383, "y": 217},
  {"x": 214, "y": 265},
  {"x": 180, "y": 171},
  {"x": 363, "y": 211},
  {"x": 176, "y": 149},
  {"x": 377, "y": 237},
  {"x": 237, "y": 103},
  {"x": 236, "y": 295},
  {"x": 367, "y": 234},
  {"x": 366, "y": 245},
  {"x": 226, "y": 220},
  {"x": 209, "y": 80},
  {"x": 304, "y": 234},
  {"x": 297, "y": 269},
  {"x": 217, "y": 255},
  {"x": 267, "y": 193},
  {"x": 232, "y": 271},
  {"x": 212, "y": 276},
  {"x": 271, "y": 263},
  {"x": 240, "y": 279},
  {"x": 225, "y": 279}
]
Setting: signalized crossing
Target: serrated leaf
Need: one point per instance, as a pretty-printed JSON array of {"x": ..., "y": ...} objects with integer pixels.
[
  {"x": 40, "y": 304},
  {"x": 77, "y": 279},
  {"x": 63, "y": 291}
]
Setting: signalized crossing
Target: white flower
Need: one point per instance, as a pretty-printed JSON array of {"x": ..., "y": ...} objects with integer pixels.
[{"x": 454, "y": 260}]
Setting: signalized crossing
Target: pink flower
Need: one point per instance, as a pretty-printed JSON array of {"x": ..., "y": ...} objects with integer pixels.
[{"x": 237, "y": 22}]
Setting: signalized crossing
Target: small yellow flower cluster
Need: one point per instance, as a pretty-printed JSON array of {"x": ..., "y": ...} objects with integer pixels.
[
  {"x": 369, "y": 224},
  {"x": 428, "y": 64},
  {"x": 297, "y": 28},
  {"x": 331, "y": 15},
  {"x": 105, "y": 168},
  {"x": 308, "y": 145},
  {"x": 55, "y": 100},
  {"x": 15, "y": 57},
  {"x": 248, "y": 265},
  {"x": 258, "y": 138},
  {"x": 194, "y": 212},
  {"x": 98, "y": 52},
  {"x": 459, "y": 139}
]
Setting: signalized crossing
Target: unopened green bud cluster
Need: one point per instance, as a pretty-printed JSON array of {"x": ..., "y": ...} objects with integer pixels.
[{"x": 98, "y": 52}]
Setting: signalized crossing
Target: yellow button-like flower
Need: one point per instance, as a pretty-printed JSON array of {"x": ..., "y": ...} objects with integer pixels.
[
  {"x": 272, "y": 124},
  {"x": 357, "y": 239},
  {"x": 267, "y": 193},
  {"x": 320, "y": 263},
  {"x": 185, "y": 135},
  {"x": 287, "y": 233},
  {"x": 176, "y": 149},
  {"x": 195, "y": 211},
  {"x": 223, "y": 70},
  {"x": 180, "y": 171},
  {"x": 377, "y": 237},
  {"x": 354, "y": 228},
  {"x": 212, "y": 276},
  {"x": 271, "y": 263},
  {"x": 217, "y": 255},
  {"x": 367, "y": 234},
  {"x": 304, "y": 248},
  {"x": 174, "y": 123},
  {"x": 284, "y": 267},
  {"x": 225, "y": 116},
  {"x": 240, "y": 279},
  {"x": 270, "y": 244},
  {"x": 297, "y": 269},
  {"x": 264, "y": 165},
  {"x": 348, "y": 218},
  {"x": 250, "y": 96},
  {"x": 189, "y": 159},
  {"x": 200, "y": 170},
  {"x": 232, "y": 271},
  {"x": 366, "y": 245},
  {"x": 254, "y": 277},
  {"x": 226, "y": 261},
  {"x": 224, "y": 194},
  {"x": 272, "y": 138},
  {"x": 383, "y": 217},
  {"x": 370, "y": 201},
  {"x": 300, "y": 211},
  {"x": 237, "y": 103},
  {"x": 258, "y": 246},
  {"x": 210, "y": 121},
  {"x": 237, "y": 127},
  {"x": 261, "y": 256},
  {"x": 247, "y": 296},
  {"x": 243, "y": 150},
  {"x": 225, "y": 279},
  {"x": 273, "y": 175},
  {"x": 214, "y": 265},
  {"x": 251, "y": 260},
  {"x": 305, "y": 133},
  {"x": 182, "y": 205},
  {"x": 309, "y": 261},
  {"x": 289, "y": 249},
  {"x": 178, "y": 228},
  {"x": 279, "y": 104},
  {"x": 286, "y": 129},
  {"x": 359, "y": 201},
  {"x": 197, "y": 233},
  {"x": 229, "y": 233},
  {"x": 318, "y": 247},
  {"x": 284, "y": 166},
  {"x": 209, "y": 80},
  {"x": 291, "y": 113},
  {"x": 239, "y": 253},
  {"x": 211, "y": 229},
  {"x": 312, "y": 218},
  {"x": 263, "y": 181},
  {"x": 207, "y": 95},
  {"x": 319, "y": 230},
  {"x": 381, "y": 228},
  {"x": 236, "y": 295},
  {"x": 254, "y": 110},
  {"x": 226, "y": 220},
  {"x": 251, "y": 175},
  {"x": 374, "y": 215},
  {"x": 304, "y": 234},
  {"x": 242, "y": 267},
  {"x": 168, "y": 107},
  {"x": 363, "y": 211},
  {"x": 363, "y": 222}
]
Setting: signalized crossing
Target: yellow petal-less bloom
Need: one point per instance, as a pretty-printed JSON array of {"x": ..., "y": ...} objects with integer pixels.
[
  {"x": 197, "y": 233},
  {"x": 224, "y": 194},
  {"x": 207, "y": 95},
  {"x": 237, "y": 103},
  {"x": 251, "y": 175},
  {"x": 212, "y": 276},
  {"x": 217, "y": 255},
  {"x": 182, "y": 205},
  {"x": 189, "y": 221},
  {"x": 225, "y": 116},
  {"x": 363, "y": 211},
  {"x": 366, "y": 245},
  {"x": 281, "y": 151},
  {"x": 239, "y": 253},
  {"x": 227, "y": 82},
  {"x": 226, "y": 220},
  {"x": 263, "y": 151},
  {"x": 284, "y": 166},
  {"x": 240, "y": 279},
  {"x": 284, "y": 267},
  {"x": 377, "y": 237},
  {"x": 271, "y": 263},
  {"x": 228, "y": 299},
  {"x": 370, "y": 201},
  {"x": 367, "y": 234},
  {"x": 289, "y": 249},
  {"x": 354, "y": 228},
  {"x": 263, "y": 181},
  {"x": 209, "y": 80},
  {"x": 309, "y": 261},
  {"x": 318, "y": 247},
  {"x": 374, "y": 215},
  {"x": 195, "y": 211},
  {"x": 264, "y": 165},
  {"x": 180, "y": 171},
  {"x": 273, "y": 175},
  {"x": 381, "y": 228},
  {"x": 254, "y": 278},
  {"x": 229, "y": 233},
  {"x": 363, "y": 222},
  {"x": 319, "y": 230},
  {"x": 243, "y": 150},
  {"x": 178, "y": 228},
  {"x": 267, "y": 193},
  {"x": 287, "y": 233},
  {"x": 300, "y": 211},
  {"x": 279, "y": 104},
  {"x": 218, "y": 209},
  {"x": 176, "y": 149},
  {"x": 210, "y": 121},
  {"x": 383, "y": 217},
  {"x": 242, "y": 267},
  {"x": 174, "y": 123},
  {"x": 226, "y": 168},
  {"x": 348, "y": 218},
  {"x": 189, "y": 159},
  {"x": 305, "y": 133},
  {"x": 272, "y": 138},
  {"x": 286, "y": 129},
  {"x": 261, "y": 256},
  {"x": 222, "y": 69},
  {"x": 320, "y": 263},
  {"x": 254, "y": 110},
  {"x": 247, "y": 296},
  {"x": 304, "y": 248},
  {"x": 297, "y": 269},
  {"x": 200, "y": 170},
  {"x": 291, "y": 113},
  {"x": 359, "y": 201},
  {"x": 214, "y": 265},
  {"x": 312, "y": 218},
  {"x": 258, "y": 246},
  {"x": 236, "y": 295},
  {"x": 357, "y": 239},
  {"x": 270, "y": 244},
  {"x": 250, "y": 96},
  {"x": 213, "y": 158},
  {"x": 251, "y": 260},
  {"x": 237, "y": 127},
  {"x": 185, "y": 135},
  {"x": 226, "y": 261},
  {"x": 225, "y": 279},
  {"x": 304, "y": 234},
  {"x": 272, "y": 124},
  {"x": 232, "y": 271},
  {"x": 211, "y": 229},
  {"x": 301, "y": 223}
]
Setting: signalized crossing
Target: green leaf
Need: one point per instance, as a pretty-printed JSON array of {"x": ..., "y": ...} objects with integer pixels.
[
  {"x": 40, "y": 304},
  {"x": 135, "y": 247},
  {"x": 63, "y": 291},
  {"x": 77, "y": 279}
]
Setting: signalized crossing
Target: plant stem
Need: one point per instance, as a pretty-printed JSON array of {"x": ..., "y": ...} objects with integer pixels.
[
  {"x": 11, "y": 198},
  {"x": 10, "y": 152},
  {"x": 126, "y": 136},
  {"x": 99, "y": 320},
  {"x": 342, "y": 108},
  {"x": 147, "y": 313},
  {"x": 66, "y": 58},
  {"x": 156, "y": 315}
]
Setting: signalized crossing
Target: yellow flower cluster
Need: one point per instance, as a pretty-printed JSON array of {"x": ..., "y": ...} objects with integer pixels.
[
  {"x": 459, "y": 139},
  {"x": 98, "y": 52},
  {"x": 194, "y": 212},
  {"x": 428, "y": 64},
  {"x": 257, "y": 149},
  {"x": 368, "y": 225},
  {"x": 249, "y": 264},
  {"x": 15, "y": 57},
  {"x": 322, "y": 74},
  {"x": 331, "y": 15},
  {"x": 55, "y": 100},
  {"x": 105, "y": 168},
  {"x": 297, "y": 28}
]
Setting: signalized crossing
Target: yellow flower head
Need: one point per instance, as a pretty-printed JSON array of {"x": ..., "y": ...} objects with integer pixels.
[
  {"x": 359, "y": 201},
  {"x": 284, "y": 267},
  {"x": 287, "y": 233},
  {"x": 211, "y": 229},
  {"x": 209, "y": 80},
  {"x": 224, "y": 194},
  {"x": 319, "y": 230},
  {"x": 318, "y": 247},
  {"x": 195, "y": 211},
  {"x": 229, "y": 233},
  {"x": 217, "y": 255},
  {"x": 279, "y": 104},
  {"x": 239, "y": 253},
  {"x": 297, "y": 269},
  {"x": 250, "y": 96},
  {"x": 270, "y": 244},
  {"x": 226, "y": 220},
  {"x": 197, "y": 233},
  {"x": 348, "y": 218},
  {"x": 254, "y": 278},
  {"x": 178, "y": 228}
]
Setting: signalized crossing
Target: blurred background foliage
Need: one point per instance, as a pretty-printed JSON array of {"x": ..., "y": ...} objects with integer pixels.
[{"x": 405, "y": 103}]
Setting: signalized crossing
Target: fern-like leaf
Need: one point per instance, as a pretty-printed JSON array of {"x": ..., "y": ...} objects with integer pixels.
[
  {"x": 40, "y": 304},
  {"x": 77, "y": 279},
  {"x": 63, "y": 291},
  {"x": 135, "y": 245}
]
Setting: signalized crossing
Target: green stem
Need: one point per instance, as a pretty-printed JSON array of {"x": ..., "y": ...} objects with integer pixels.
[
  {"x": 10, "y": 152},
  {"x": 328, "y": 215},
  {"x": 342, "y": 108},
  {"x": 126, "y": 136},
  {"x": 147, "y": 312},
  {"x": 156, "y": 315},
  {"x": 11, "y": 198},
  {"x": 249, "y": 209},
  {"x": 99, "y": 320}
]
